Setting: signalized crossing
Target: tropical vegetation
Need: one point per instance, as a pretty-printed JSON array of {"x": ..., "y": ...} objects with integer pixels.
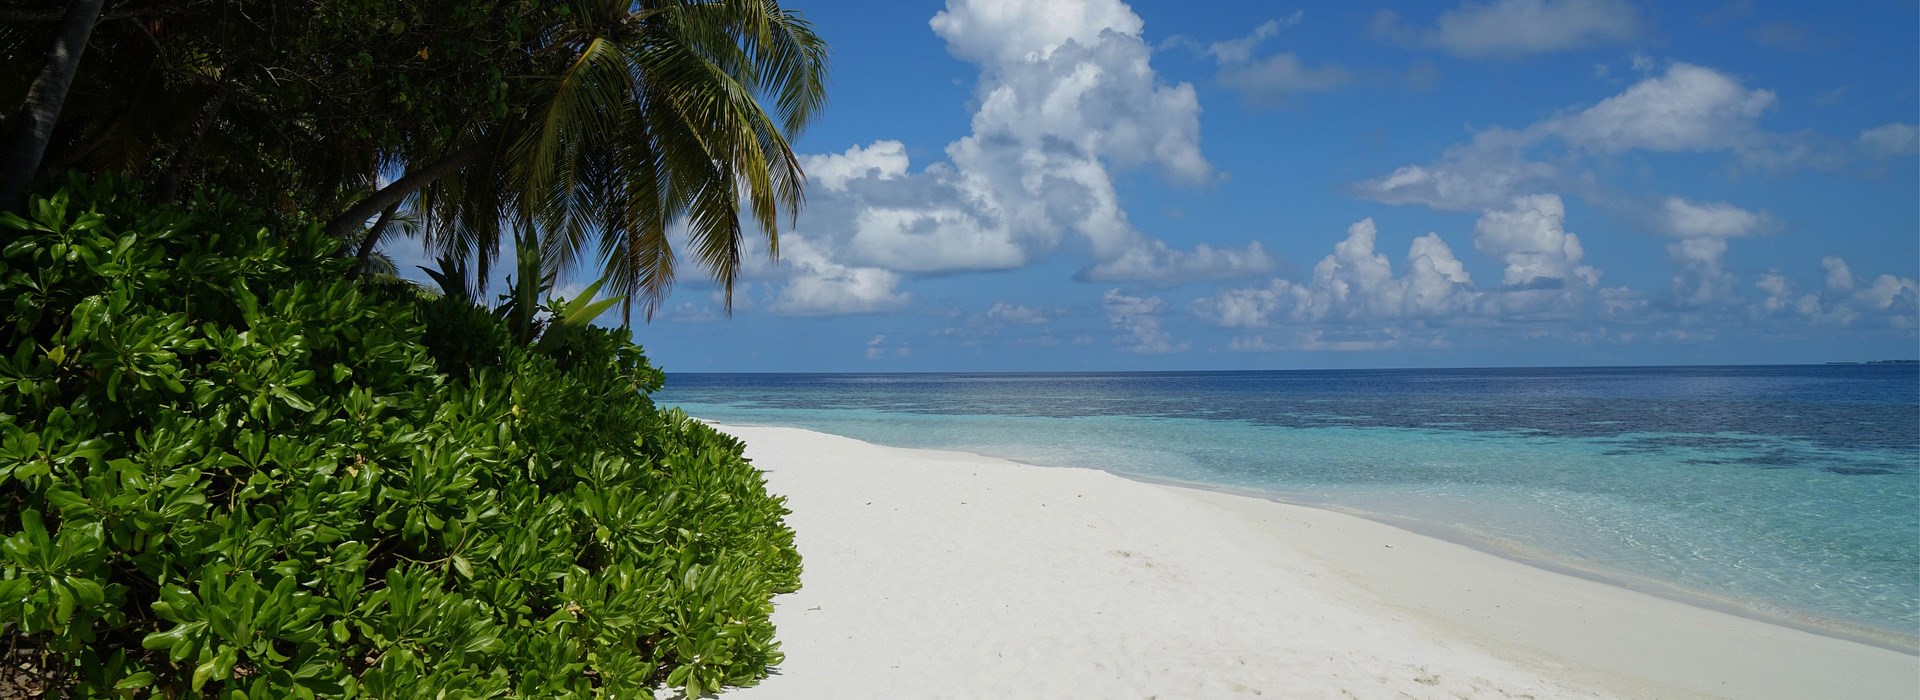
[
  {"x": 240, "y": 458},
  {"x": 613, "y": 125}
]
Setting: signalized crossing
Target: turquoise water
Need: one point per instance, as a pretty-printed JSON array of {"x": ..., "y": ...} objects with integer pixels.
[{"x": 1789, "y": 491}]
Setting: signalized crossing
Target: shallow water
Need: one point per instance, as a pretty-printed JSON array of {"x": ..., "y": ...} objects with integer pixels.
[{"x": 1790, "y": 490}]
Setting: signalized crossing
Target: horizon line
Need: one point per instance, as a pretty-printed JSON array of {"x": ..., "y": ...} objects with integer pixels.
[{"x": 1835, "y": 363}]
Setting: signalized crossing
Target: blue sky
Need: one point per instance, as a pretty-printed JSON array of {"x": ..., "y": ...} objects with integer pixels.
[{"x": 1004, "y": 185}]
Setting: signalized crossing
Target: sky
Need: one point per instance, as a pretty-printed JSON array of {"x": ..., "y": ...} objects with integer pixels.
[{"x": 1069, "y": 185}]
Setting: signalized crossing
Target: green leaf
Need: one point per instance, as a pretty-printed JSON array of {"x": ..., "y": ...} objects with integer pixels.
[{"x": 202, "y": 673}]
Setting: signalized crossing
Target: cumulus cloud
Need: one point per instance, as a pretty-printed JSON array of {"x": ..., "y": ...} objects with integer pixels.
[
  {"x": 1008, "y": 31},
  {"x": 1542, "y": 276},
  {"x": 1688, "y": 108},
  {"x": 1358, "y": 299},
  {"x": 1354, "y": 283},
  {"x": 1483, "y": 173},
  {"x": 1703, "y": 228},
  {"x": 1511, "y": 28},
  {"x": 1004, "y": 312},
  {"x": 1843, "y": 299},
  {"x": 882, "y": 160},
  {"x": 1699, "y": 281},
  {"x": 1891, "y": 140},
  {"x": 1530, "y": 239},
  {"x": 1067, "y": 94},
  {"x": 1137, "y": 320},
  {"x": 1683, "y": 218},
  {"x": 818, "y": 286},
  {"x": 933, "y": 237}
]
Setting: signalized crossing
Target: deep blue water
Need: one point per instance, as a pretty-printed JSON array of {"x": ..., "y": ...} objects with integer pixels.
[{"x": 1783, "y": 490}]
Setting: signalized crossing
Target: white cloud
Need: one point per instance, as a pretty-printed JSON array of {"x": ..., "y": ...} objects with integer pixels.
[
  {"x": 1136, "y": 318},
  {"x": 1844, "y": 300},
  {"x": 1487, "y": 172},
  {"x": 1530, "y": 239},
  {"x": 1684, "y": 218},
  {"x": 1329, "y": 340},
  {"x": 1690, "y": 108},
  {"x": 1158, "y": 264},
  {"x": 1839, "y": 276},
  {"x": 1686, "y": 109},
  {"x": 934, "y": 237},
  {"x": 1509, "y": 28},
  {"x": 689, "y": 312},
  {"x": 1700, "y": 281},
  {"x": 1891, "y": 140},
  {"x": 1017, "y": 314},
  {"x": 878, "y": 347},
  {"x": 1357, "y": 288},
  {"x": 1005, "y": 31},
  {"x": 883, "y": 160},
  {"x": 818, "y": 286},
  {"x": 1779, "y": 293},
  {"x": 1355, "y": 283},
  {"x": 1703, "y": 229},
  {"x": 1437, "y": 283},
  {"x": 1067, "y": 93},
  {"x": 1241, "y": 50}
]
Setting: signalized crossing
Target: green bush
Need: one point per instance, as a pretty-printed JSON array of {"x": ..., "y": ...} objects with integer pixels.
[{"x": 227, "y": 472}]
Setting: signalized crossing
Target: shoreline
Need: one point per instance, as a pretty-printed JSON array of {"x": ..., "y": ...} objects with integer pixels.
[
  {"x": 1802, "y": 620},
  {"x": 1805, "y": 621},
  {"x": 1305, "y": 598}
]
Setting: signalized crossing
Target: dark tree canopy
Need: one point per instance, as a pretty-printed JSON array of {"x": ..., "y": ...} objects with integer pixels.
[{"x": 605, "y": 123}]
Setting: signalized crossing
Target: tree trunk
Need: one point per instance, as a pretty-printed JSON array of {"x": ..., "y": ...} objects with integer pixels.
[
  {"x": 344, "y": 225},
  {"x": 371, "y": 240},
  {"x": 33, "y": 125},
  {"x": 170, "y": 184}
]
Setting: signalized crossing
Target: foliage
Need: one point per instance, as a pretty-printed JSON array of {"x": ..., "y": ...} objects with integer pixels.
[
  {"x": 604, "y": 122},
  {"x": 290, "y": 107},
  {"x": 666, "y": 111},
  {"x": 228, "y": 472}
]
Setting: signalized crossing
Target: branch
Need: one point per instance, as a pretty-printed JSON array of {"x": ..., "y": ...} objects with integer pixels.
[{"x": 355, "y": 216}]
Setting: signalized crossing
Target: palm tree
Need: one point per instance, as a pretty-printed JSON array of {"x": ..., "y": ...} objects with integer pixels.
[
  {"x": 32, "y": 126},
  {"x": 655, "y": 118}
]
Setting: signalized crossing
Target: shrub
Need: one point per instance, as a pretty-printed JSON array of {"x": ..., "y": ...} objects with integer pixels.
[{"x": 226, "y": 471}]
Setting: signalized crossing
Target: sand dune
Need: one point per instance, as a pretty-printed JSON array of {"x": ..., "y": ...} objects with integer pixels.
[{"x": 950, "y": 575}]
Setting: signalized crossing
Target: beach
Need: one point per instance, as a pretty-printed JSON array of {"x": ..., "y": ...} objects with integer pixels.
[{"x": 935, "y": 574}]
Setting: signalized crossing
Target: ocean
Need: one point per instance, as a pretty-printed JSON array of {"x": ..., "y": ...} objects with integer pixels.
[{"x": 1790, "y": 493}]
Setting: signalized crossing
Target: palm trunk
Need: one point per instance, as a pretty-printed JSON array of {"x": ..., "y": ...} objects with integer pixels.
[
  {"x": 344, "y": 225},
  {"x": 33, "y": 125},
  {"x": 371, "y": 241}
]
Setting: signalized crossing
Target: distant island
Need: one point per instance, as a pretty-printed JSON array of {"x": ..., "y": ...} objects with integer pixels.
[{"x": 1879, "y": 362}]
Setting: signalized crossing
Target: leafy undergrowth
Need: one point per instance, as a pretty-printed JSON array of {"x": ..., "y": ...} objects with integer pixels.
[{"x": 227, "y": 472}]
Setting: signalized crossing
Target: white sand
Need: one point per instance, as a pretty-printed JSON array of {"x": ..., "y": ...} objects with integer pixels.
[{"x": 950, "y": 575}]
